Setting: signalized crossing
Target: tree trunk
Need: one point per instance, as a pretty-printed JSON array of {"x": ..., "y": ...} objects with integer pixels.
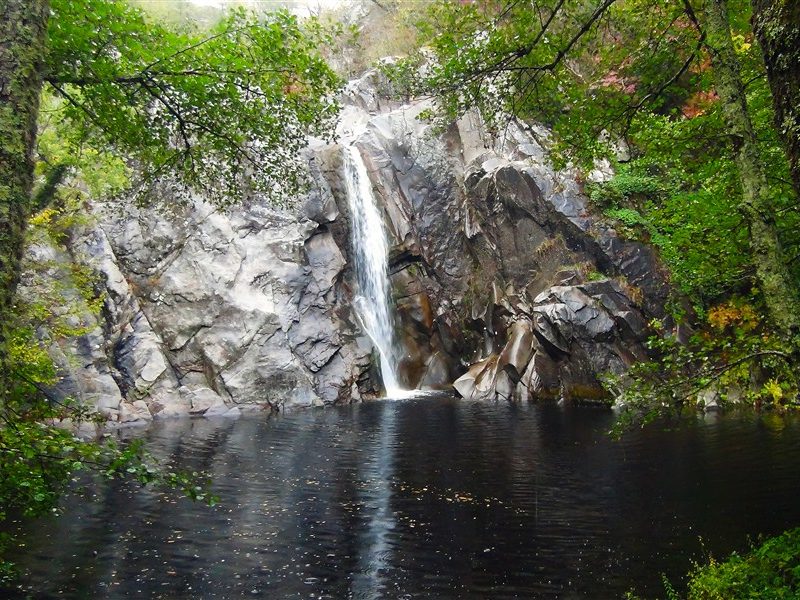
[
  {"x": 777, "y": 26},
  {"x": 765, "y": 247},
  {"x": 23, "y": 29}
]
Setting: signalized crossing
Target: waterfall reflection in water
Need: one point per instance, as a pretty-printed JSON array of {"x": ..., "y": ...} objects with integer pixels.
[{"x": 432, "y": 498}]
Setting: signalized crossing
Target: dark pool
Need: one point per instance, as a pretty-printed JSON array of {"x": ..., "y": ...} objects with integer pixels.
[{"x": 425, "y": 498}]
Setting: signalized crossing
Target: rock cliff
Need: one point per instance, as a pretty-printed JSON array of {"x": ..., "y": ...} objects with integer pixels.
[{"x": 505, "y": 285}]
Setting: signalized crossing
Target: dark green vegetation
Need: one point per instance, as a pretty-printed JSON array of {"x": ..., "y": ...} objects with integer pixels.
[{"x": 770, "y": 571}]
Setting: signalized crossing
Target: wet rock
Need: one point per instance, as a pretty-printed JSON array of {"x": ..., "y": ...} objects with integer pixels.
[
  {"x": 478, "y": 383},
  {"x": 168, "y": 404},
  {"x": 438, "y": 374},
  {"x": 132, "y": 412},
  {"x": 560, "y": 346},
  {"x": 541, "y": 379},
  {"x": 220, "y": 410},
  {"x": 518, "y": 350},
  {"x": 202, "y": 400},
  {"x": 709, "y": 398}
]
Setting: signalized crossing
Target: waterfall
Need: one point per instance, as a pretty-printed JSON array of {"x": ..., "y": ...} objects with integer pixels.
[{"x": 371, "y": 264}]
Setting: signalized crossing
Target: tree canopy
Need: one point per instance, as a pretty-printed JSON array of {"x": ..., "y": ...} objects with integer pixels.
[{"x": 220, "y": 111}]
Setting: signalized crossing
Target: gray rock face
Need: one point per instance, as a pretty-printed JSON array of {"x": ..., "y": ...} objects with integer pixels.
[
  {"x": 500, "y": 271},
  {"x": 505, "y": 285},
  {"x": 208, "y": 311}
]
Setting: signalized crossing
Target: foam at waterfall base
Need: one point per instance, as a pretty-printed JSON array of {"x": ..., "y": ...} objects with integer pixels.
[{"x": 400, "y": 394}]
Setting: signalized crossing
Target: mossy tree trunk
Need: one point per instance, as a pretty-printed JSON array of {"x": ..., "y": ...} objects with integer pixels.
[
  {"x": 777, "y": 26},
  {"x": 756, "y": 207},
  {"x": 23, "y": 28}
]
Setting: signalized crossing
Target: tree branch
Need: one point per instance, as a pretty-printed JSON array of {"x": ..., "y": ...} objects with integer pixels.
[{"x": 722, "y": 370}]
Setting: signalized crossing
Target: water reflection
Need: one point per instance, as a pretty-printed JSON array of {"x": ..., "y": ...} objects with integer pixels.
[
  {"x": 375, "y": 550},
  {"x": 425, "y": 498}
]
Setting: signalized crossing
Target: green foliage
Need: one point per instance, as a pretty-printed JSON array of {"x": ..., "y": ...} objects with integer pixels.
[
  {"x": 628, "y": 216},
  {"x": 224, "y": 111},
  {"x": 698, "y": 234},
  {"x": 733, "y": 358},
  {"x": 769, "y": 572},
  {"x": 101, "y": 173},
  {"x": 58, "y": 295},
  {"x": 624, "y": 196},
  {"x": 626, "y": 186}
]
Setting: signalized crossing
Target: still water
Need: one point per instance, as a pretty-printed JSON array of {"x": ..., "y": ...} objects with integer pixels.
[{"x": 425, "y": 498}]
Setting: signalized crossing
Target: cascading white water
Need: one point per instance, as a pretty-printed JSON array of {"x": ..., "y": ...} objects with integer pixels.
[{"x": 371, "y": 253}]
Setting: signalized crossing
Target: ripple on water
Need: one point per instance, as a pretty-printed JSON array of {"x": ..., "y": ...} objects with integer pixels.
[{"x": 424, "y": 498}]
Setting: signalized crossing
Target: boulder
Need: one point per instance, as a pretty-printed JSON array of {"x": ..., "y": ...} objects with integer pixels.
[{"x": 134, "y": 412}]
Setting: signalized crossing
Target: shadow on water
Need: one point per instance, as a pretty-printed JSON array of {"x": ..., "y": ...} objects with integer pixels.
[{"x": 424, "y": 498}]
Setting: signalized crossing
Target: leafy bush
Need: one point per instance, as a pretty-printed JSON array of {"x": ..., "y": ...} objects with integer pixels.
[
  {"x": 629, "y": 216},
  {"x": 626, "y": 185},
  {"x": 769, "y": 572},
  {"x": 733, "y": 356}
]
